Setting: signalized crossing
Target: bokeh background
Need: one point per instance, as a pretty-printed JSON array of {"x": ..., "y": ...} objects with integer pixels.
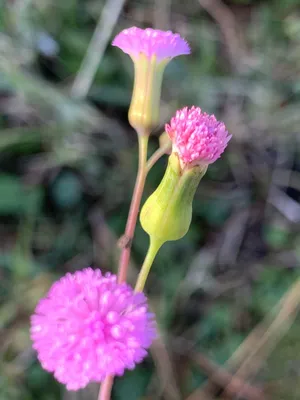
[{"x": 227, "y": 295}]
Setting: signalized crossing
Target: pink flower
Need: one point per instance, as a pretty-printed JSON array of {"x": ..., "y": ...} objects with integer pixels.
[
  {"x": 150, "y": 50},
  {"x": 151, "y": 42},
  {"x": 89, "y": 326},
  {"x": 198, "y": 138}
]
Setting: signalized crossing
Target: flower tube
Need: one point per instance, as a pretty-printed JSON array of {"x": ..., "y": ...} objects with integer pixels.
[{"x": 150, "y": 50}]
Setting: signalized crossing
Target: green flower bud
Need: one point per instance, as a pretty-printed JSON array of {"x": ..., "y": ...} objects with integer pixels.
[{"x": 167, "y": 213}]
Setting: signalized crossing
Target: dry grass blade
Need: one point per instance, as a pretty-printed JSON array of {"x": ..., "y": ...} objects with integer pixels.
[
  {"x": 222, "y": 378},
  {"x": 162, "y": 14},
  {"x": 229, "y": 28},
  {"x": 164, "y": 370},
  {"x": 97, "y": 46},
  {"x": 255, "y": 349},
  {"x": 249, "y": 357}
]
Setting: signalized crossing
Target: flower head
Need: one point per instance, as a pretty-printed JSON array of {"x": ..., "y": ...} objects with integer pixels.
[
  {"x": 150, "y": 50},
  {"x": 89, "y": 326},
  {"x": 198, "y": 138},
  {"x": 151, "y": 42}
]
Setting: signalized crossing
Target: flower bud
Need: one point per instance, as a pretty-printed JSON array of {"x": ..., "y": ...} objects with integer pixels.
[
  {"x": 167, "y": 213},
  {"x": 198, "y": 139}
]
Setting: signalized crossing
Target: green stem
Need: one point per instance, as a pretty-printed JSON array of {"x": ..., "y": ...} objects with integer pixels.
[
  {"x": 157, "y": 155},
  {"x": 155, "y": 245}
]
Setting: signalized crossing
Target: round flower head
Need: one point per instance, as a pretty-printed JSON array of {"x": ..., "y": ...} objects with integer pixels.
[
  {"x": 198, "y": 138},
  {"x": 151, "y": 42},
  {"x": 89, "y": 326}
]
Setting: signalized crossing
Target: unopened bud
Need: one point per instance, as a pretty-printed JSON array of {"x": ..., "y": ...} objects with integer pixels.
[{"x": 167, "y": 213}]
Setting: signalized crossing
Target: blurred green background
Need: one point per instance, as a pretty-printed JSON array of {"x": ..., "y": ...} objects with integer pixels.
[{"x": 67, "y": 169}]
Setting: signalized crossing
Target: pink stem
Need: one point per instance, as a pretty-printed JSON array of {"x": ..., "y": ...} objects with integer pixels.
[
  {"x": 134, "y": 209},
  {"x": 106, "y": 386},
  {"x": 105, "y": 389}
]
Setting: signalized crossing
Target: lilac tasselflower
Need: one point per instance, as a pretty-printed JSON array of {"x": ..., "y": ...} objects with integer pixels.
[
  {"x": 89, "y": 327},
  {"x": 150, "y": 50},
  {"x": 151, "y": 42},
  {"x": 198, "y": 138}
]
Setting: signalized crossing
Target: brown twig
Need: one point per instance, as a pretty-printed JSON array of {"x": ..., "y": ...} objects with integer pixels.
[
  {"x": 222, "y": 378},
  {"x": 256, "y": 348},
  {"x": 165, "y": 371},
  {"x": 249, "y": 357}
]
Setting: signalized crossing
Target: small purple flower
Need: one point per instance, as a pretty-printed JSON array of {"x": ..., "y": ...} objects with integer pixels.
[
  {"x": 151, "y": 42},
  {"x": 89, "y": 327},
  {"x": 198, "y": 137}
]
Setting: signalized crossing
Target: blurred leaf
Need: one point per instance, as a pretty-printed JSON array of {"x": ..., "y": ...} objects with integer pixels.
[
  {"x": 276, "y": 236},
  {"x": 270, "y": 287},
  {"x": 223, "y": 352},
  {"x": 111, "y": 95},
  {"x": 36, "y": 381},
  {"x": 133, "y": 384},
  {"x": 67, "y": 190},
  {"x": 15, "y": 198},
  {"x": 195, "y": 379},
  {"x": 281, "y": 373},
  {"x": 214, "y": 211},
  {"x": 216, "y": 324}
]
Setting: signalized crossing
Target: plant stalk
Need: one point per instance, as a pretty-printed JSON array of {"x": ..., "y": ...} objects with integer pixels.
[
  {"x": 134, "y": 209},
  {"x": 105, "y": 388},
  {"x": 154, "y": 246}
]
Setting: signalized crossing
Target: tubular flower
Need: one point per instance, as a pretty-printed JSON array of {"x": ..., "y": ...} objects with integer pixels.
[
  {"x": 89, "y": 327},
  {"x": 151, "y": 42},
  {"x": 150, "y": 50},
  {"x": 198, "y": 138}
]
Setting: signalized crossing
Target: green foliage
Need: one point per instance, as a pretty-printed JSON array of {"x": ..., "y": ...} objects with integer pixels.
[
  {"x": 68, "y": 168},
  {"x": 133, "y": 384},
  {"x": 37, "y": 379},
  {"x": 276, "y": 236},
  {"x": 67, "y": 190},
  {"x": 16, "y": 198},
  {"x": 270, "y": 287}
]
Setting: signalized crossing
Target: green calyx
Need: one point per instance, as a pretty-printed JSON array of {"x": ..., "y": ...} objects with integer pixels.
[
  {"x": 167, "y": 213},
  {"x": 145, "y": 102}
]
